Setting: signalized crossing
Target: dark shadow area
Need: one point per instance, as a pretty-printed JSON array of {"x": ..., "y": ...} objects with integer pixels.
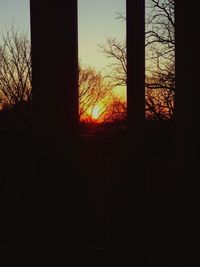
[{"x": 106, "y": 192}]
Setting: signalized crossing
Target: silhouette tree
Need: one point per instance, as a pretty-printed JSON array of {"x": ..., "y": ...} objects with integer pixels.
[
  {"x": 116, "y": 51},
  {"x": 15, "y": 70},
  {"x": 160, "y": 59},
  {"x": 116, "y": 111},
  {"x": 16, "y": 82},
  {"x": 16, "y": 77},
  {"x": 94, "y": 89}
]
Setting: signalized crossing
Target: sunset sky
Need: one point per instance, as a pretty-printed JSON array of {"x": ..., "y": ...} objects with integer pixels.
[
  {"x": 97, "y": 21},
  {"x": 96, "y": 18}
]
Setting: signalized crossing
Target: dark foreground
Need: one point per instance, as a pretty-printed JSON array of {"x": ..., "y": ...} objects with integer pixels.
[{"x": 105, "y": 203}]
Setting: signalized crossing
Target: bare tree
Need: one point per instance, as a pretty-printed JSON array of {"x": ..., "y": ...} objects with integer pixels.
[
  {"x": 94, "y": 89},
  {"x": 160, "y": 59},
  {"x": 116, "y": 51},
  {"x": 116, "y": 111},
  {"x": 16, "y": 76},
  {"x": 15, "y": 69}
]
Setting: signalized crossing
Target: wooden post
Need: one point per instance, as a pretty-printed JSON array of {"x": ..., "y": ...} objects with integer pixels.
[
  {"x": 187, "y": 128},
  {"x": 135, "y": 100},
  {"x": 55, "y": 114}
]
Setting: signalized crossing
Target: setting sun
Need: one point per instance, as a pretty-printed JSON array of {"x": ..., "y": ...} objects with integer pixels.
[{"x": 96, "y": 112}]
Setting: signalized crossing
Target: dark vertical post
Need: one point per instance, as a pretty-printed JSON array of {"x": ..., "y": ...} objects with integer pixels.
[
  {"x": 135, "y": 99},
  {"x": 187, "y": 128},
  {"x": 55, "y": 114},
  {"x": 54, "y": 57}
]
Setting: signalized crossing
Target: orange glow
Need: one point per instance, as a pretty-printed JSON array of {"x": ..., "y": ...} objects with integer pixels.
[{"x": 96, "y": 113}]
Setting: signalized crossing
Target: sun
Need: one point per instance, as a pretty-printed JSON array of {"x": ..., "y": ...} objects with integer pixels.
[{"x": 96, "y": 112}]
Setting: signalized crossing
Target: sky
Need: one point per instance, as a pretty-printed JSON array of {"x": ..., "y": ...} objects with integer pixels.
[
  {"x": 14, "y": 12},
  {"x": 96, "y": 22}
]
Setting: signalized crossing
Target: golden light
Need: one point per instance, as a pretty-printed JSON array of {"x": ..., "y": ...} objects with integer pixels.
[
  {"x": 96, "y": 112},
  {"x": 120, "y": 92}
]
